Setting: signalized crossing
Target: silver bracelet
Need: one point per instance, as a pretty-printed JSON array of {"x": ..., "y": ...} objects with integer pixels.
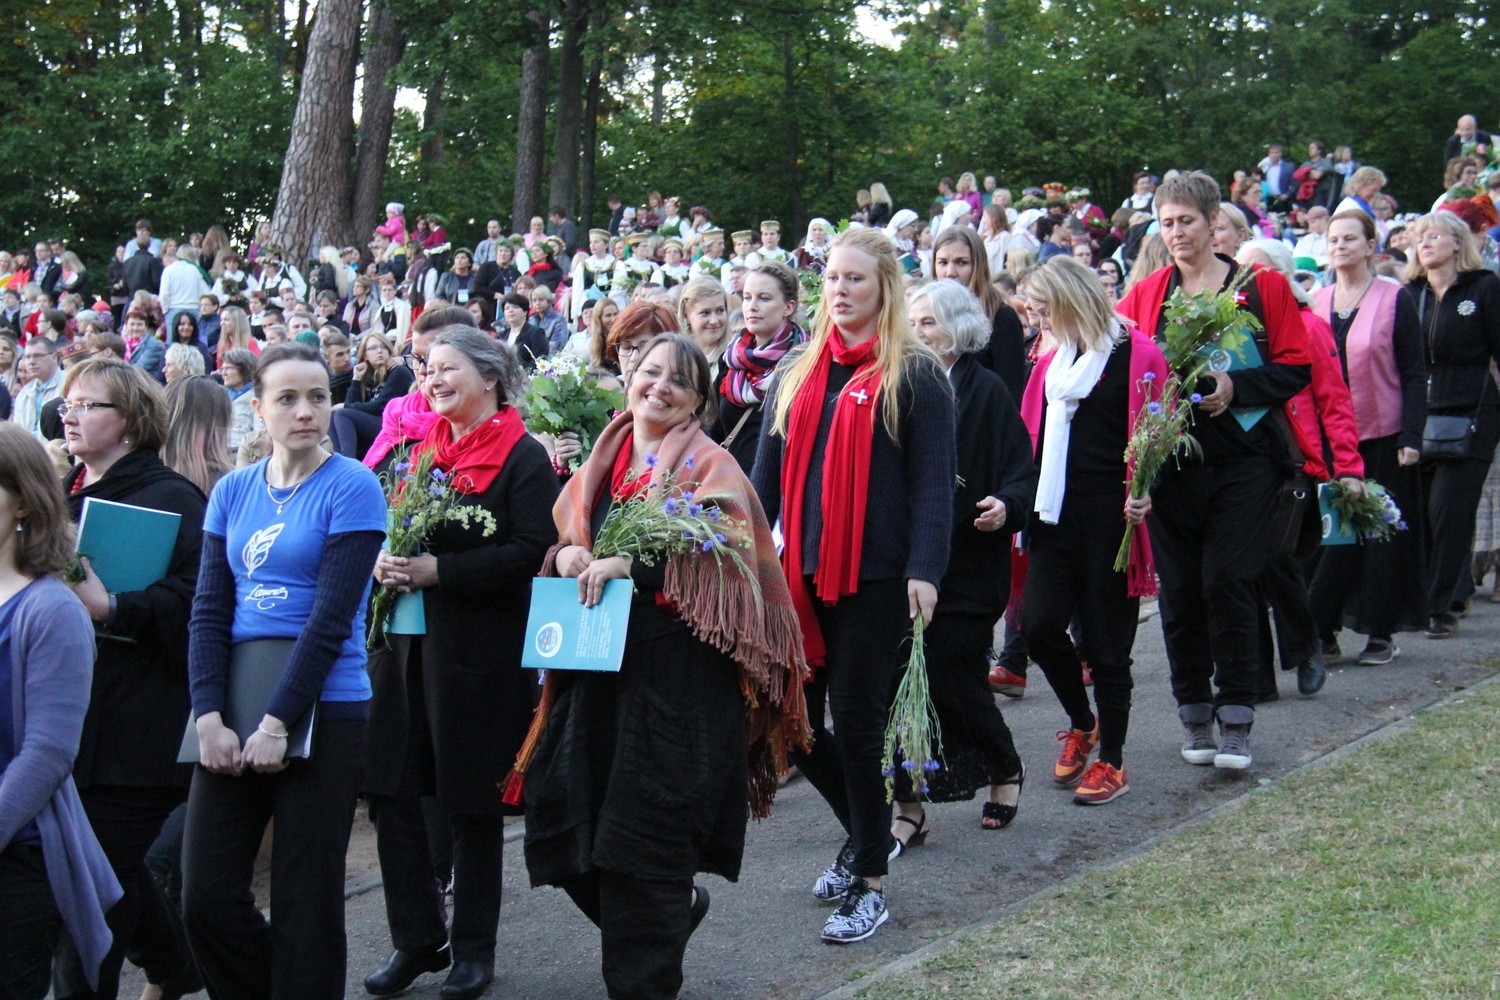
[{"x": 275, "y": 736}]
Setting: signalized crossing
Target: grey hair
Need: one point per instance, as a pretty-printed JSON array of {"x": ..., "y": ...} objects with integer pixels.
[
  {"x": 959, "y": 314},
  {"x": 1280, "y": 256},
  {"x": 186, "y": 357},
  {"x": 492, "y": 358}
]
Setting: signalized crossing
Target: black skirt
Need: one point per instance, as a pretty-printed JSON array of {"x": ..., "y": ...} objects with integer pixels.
[{"x": 643, "y": 772}]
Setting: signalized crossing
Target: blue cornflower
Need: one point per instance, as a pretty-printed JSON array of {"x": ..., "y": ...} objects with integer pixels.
[
  {"x": 402, "y": 466},
  {"x": 436, "y": 491},
  {"x": 687, "y": 534},
  {"x": 439, "y": 475},
  {"x": 689, "y": 463},
  {"x": 712, "y": 513},
  {"x": 925, "y": 789},
  {"x": 929, "y": 765},
  {"x": 708, "y": 546},
  {"x": 1400, "y": 525},
  {"x": 718, "y": 537},
  {"x": 671, "y": 506},
  {"x": 907, "y": 765},
  {"x": 688, "y": 496},
  {"x": 1196, "y": 397},
  {"x": 887, "y": 772},
  {"x": 406, "y": 522},
  {"x": 651, "y": 461},
  {"x": 1149, "y": 377},
  {"x": 695, "y": 509},
  {"x": 1155, "y": 408}
]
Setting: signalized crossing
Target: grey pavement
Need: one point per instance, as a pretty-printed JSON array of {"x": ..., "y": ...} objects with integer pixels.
[{"x": 761, "y": 937}]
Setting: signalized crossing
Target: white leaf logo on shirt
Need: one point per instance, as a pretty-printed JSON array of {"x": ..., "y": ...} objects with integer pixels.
[{"x": 259, "y": 547}]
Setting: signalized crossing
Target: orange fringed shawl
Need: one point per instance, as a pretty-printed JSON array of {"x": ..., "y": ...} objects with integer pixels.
[{"x": 760, "y": 633}]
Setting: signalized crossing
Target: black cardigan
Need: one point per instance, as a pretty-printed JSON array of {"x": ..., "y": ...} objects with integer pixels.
[
  {"x": 1006, "y": 353},
  {"x": 139, "y": 703},
  {"x": 994, "y": 460},
  {"x": 477, "y": 697},
  {"x": 909, "y": 514},
  {"x": 1462, "y": 334}
]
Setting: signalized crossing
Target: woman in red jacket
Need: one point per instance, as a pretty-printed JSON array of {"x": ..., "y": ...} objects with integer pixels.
[{"x": 1209, "y": 530}]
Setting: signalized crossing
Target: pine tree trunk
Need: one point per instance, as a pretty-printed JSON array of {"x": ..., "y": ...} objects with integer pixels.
[
  {"x": 531, "y": 128},
  {"x": 793, "y": 139},
  {"x": 569, "y": 110},
  {"x": 431, "y": 156},
  {"x": 384, "y": 45},
  {"x": 313, "y": 202},
  {"x": 591, "y": 117}
]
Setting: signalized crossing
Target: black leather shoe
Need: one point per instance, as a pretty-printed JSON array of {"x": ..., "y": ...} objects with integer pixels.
[
  {"x": 1311, "y": 675},
  {"x": 699, "y": 909},
  {"x": 467, "y": 980},
  {"x": 403, "y": 968}
]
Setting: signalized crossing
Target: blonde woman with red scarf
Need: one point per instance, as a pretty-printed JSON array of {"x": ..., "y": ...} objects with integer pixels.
[
  {"x": 450, "y": 708},
  {"x": 858, "y": 458}
]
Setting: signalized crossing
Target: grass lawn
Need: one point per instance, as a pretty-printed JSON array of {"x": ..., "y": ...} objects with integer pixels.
[{"x": 1377, "y": 876}]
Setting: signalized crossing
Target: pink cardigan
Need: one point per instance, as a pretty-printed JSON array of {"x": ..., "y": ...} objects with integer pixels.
[{"x": 1145, "y": 357}]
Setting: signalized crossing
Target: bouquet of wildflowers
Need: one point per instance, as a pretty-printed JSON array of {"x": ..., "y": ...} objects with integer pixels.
[
  {"x": 419, "y": 498},
  {"x": 1199, "y": 323},
  {"x": 1373, "y": 517},
  {"x": 664, "y": 519},
  {"x": 913, "y": 737},
  {"x": 1160, "y": 433},
  {"x": 564, "y": 397}
]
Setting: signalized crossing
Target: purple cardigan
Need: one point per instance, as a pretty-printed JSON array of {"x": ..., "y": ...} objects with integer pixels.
[{"x": 52, "y": 667}]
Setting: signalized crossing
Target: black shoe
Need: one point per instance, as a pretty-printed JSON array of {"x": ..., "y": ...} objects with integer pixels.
[
  {"x": 1441, "y": 627},
  {"x": 1311, "y": 675},
  {"x": 700, "y": 908},
  {"x": 468, "y": 980},
  {"x": 403, "y": 968}
]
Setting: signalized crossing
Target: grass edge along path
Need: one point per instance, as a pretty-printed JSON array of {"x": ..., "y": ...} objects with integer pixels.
[{"x": 1375, "y": 875}]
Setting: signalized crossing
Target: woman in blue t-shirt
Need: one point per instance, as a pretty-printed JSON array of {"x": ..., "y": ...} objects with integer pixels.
[{"x": 288, "y": 545}]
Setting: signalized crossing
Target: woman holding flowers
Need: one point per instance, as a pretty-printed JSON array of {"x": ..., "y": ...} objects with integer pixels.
[
  {"x": 998, "y": 485},
  {"x": 1082, "y": 406},
  {"x": 637, "y": 780},
  {"x": 1210, "y": 535},
  {"x": 1458, "y": 308},
  {"x": 858, "y": 460},
  {"x": 452, "y": 705},
  {"x": 1375, "y": 588}
]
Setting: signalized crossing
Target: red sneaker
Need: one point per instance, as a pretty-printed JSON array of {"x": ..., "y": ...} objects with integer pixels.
[
  {"x": 1077, "y": 747},
  {"x": 1101, "y": 783},
  {"x": 1006, "y": 682}
]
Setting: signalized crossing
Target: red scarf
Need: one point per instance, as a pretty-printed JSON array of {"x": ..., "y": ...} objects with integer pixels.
[
  {"x": 474, "y": 460},
  {"x": 621, "y": 486},
  {"x": 846, "y": 481}
]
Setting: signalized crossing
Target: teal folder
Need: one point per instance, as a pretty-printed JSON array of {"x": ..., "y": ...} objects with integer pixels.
[
  {"x": 1220, "y": 360},
  {"x": 129, "y": 547},
  {"x": 1336, "y": 531},
  {"x": 562, "y": 634}
]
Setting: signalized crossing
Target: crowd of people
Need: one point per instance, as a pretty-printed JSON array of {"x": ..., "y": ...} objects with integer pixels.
[{"x": 901, "y": 416}]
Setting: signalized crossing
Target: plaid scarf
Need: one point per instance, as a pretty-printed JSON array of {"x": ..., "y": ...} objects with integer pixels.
[{"x": 749, "y": 365}]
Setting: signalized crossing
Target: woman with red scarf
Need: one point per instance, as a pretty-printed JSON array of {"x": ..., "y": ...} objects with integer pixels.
[
  {"x": 451, "y": 707},
  {"x": 769, "y": 302},
  {"x": 859, "y": 460}
]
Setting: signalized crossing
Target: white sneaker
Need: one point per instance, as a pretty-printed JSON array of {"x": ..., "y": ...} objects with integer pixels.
[{"x": 862, "y": 911}]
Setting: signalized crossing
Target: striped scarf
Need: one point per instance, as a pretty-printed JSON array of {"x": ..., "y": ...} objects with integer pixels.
[{"x": 749, "y": 365}]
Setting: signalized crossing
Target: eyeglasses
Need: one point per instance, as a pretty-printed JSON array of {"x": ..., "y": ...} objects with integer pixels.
[
  {"x": 82, "y": 408},
  {"x": 413, "y": 361},
  {"x": 629, "y": 350}
]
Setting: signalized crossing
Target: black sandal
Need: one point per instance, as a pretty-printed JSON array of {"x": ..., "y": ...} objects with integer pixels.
[
  {"x": 918, "y": 836},
  {"x": 998, "y": 815}
]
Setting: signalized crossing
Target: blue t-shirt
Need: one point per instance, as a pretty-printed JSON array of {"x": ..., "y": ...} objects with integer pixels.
[{"x": 275, "y": 557}]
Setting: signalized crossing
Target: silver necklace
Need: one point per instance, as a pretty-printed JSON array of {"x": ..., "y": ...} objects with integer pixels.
[
  {"x": 280, "y": 502},
  {"x": 1346, "y": 313}
]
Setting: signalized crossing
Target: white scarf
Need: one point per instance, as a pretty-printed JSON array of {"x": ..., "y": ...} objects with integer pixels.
[{"x": 1069, "y": 381}]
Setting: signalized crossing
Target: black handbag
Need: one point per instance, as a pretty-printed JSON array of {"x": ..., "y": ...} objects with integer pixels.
[{"x": 1295, "y": 529}]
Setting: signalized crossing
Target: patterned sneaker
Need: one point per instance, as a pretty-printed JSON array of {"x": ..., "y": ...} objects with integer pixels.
[
  {"x": 1198, "y": 745},
  {"x": 1077, "y": 746},
  {"x": 1005, "y": 681},
  {"x": 1101, "y": 783},
  {"x": 862, "y": 911},
  {"x": 835, "y": 881}
]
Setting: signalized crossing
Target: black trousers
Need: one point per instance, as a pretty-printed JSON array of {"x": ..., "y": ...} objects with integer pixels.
[
  {"x": 643, "y": 930},
  {"x": 1210, "y": 536},
  {"x": 1072, "y": 573},
  {"x": 865, "y": 635},
  {"x": 1284, "y": 591},
  {"x": 30, "y": 925},
  {"x": 353, "y": 431},
  {"x": 1453, "y": 491},
  {"x": 413, "y": 904},
  {"x": 126, "y": 821},
  {"x": 302, "y": 952}
]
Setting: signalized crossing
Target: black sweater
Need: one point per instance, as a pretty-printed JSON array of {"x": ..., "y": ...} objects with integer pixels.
[
  {"x": 396, "y": 384},
  {"x": 1462, "y": 334},
  {"x": 1006, "y": 353},
  {"x": 909, "y": 514}
]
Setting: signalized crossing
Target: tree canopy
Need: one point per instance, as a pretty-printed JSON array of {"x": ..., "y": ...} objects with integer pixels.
[{"x": 767, "y": 108}]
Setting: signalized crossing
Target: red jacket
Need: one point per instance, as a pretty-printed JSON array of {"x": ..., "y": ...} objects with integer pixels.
[
  {"x": 1286, "y": 335},
  {"x": 1325, "y": 410}
]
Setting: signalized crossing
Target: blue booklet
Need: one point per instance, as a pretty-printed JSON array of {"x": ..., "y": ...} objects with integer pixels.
[
  {"x": 1336, "y": 531},
  {"x": 1248, "y": 356},
  {"x": 129, "y": 547},
  {"x": 562, "y": 634}
]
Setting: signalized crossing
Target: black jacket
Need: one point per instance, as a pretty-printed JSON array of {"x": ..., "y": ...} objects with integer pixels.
[
  {"x": 139, "y": 706},
  {"x": 142, "y": 272},
  {"x": 47, "y": 275},
  {"x": 1455, "y": 145},
  {"x": 1462, "y": 336},
  {"x": 395, "y": 385},
  {"x": 531, "y": 343},
  {"x": 496, "y": 280},
  {"x": 1006, "y": 353},
  {"x": 477, "y": 697},
  {"x": 994, "y": 460}
]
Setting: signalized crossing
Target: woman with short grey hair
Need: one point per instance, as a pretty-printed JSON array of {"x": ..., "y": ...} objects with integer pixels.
[{"x": 997, "y": 485}]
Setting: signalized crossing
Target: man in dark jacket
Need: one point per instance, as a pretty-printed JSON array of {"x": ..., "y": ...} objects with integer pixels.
[
  {"x": 142, "y": 270},
  {"x": 48, "y": 271},
  {"x": 1468, "y": 130}
]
